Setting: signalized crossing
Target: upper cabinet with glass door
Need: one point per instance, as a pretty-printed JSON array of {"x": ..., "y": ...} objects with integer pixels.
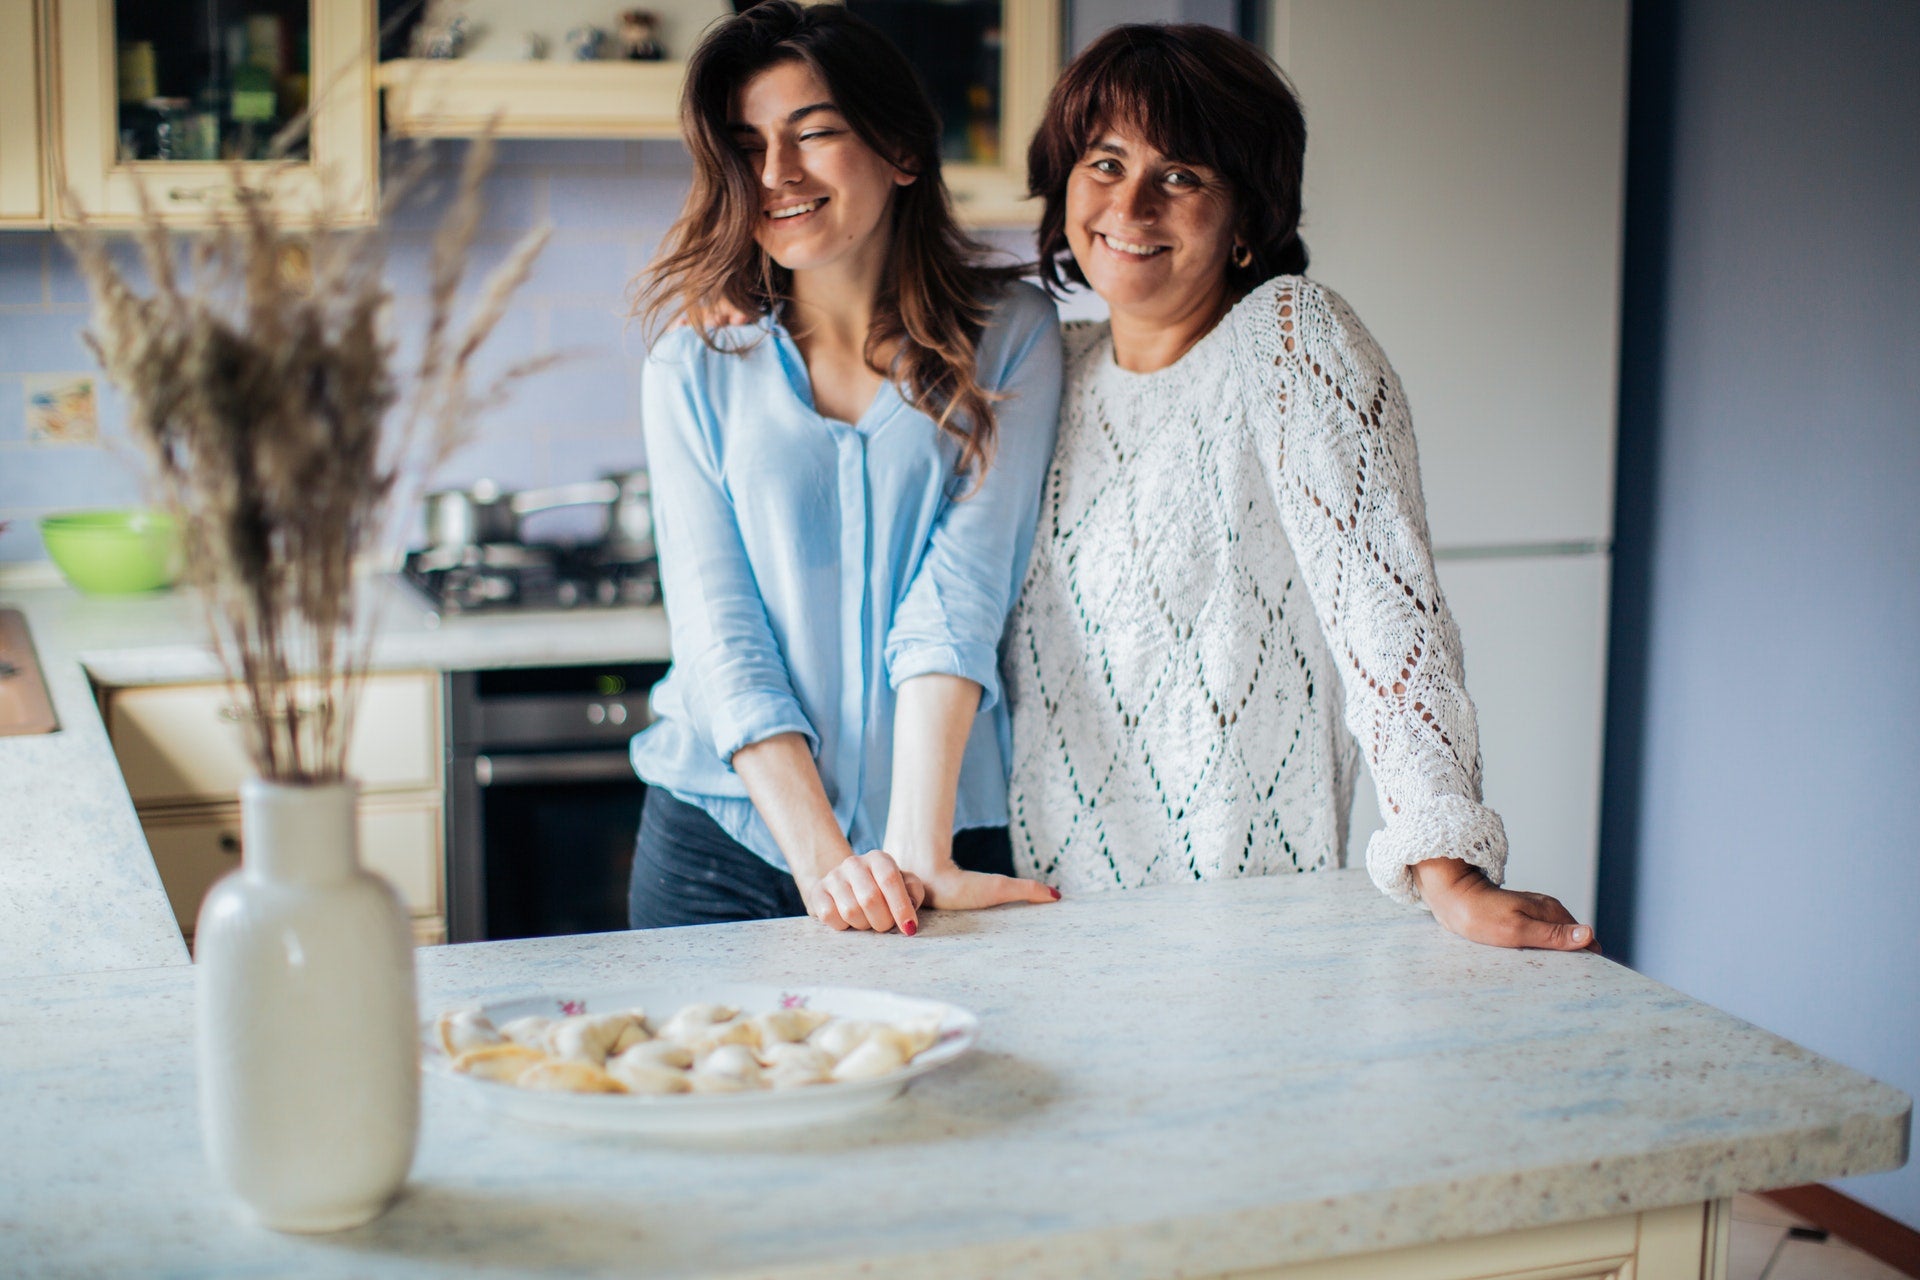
[
  {"x": 988, "y": 65},
  {"x": 173, "y": 93},
  {"x": 567, "y": 70}
]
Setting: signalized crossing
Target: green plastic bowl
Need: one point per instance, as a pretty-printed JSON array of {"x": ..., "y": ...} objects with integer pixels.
[{"x": 113, "y": 553}]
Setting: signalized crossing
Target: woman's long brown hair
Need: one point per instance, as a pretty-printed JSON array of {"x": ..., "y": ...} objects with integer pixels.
[{"x": 935, "y": 292}]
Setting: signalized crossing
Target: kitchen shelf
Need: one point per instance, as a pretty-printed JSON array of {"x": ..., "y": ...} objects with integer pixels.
[
  {"x": 435, "y": 98},
  {"x": 459, "y": 97}
]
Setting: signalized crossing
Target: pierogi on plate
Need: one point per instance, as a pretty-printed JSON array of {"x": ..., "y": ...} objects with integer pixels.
[{"x": 697, "y": 1048}]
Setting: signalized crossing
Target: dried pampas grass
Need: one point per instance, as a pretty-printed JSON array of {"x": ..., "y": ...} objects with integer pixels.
[{"x": 262, "y": 388}]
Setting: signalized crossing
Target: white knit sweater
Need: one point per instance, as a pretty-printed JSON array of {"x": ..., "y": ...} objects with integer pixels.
[{"x": 1229, "y": 549}]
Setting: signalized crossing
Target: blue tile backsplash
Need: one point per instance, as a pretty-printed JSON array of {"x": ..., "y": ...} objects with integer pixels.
[{"x": 608, "y": 203}]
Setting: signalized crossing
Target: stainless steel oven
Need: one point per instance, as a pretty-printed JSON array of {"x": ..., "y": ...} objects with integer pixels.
[{"x": 542, "y": 804}]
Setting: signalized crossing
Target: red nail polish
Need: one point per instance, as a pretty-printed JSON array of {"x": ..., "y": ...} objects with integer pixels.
[
  {"x": 1055, "y": 892},
  {"x": 909, "y": 928}
]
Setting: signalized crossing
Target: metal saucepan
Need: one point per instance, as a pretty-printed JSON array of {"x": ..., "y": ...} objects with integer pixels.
[
  {"x": 459, "y": 518},
  {"x": 469, "y": 517},
  {"x": 630, "y": 518}
]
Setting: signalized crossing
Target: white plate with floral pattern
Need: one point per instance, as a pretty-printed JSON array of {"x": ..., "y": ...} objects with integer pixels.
[{"x": 709, "y": 1113}]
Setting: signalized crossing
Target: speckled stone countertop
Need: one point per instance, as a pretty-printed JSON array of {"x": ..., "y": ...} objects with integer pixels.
[
  {"x": 1183, "y": 1080},
  {"x": 78, "y": 890}
]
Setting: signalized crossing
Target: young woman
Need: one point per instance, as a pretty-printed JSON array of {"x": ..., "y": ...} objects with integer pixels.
[
  {"x": 1233, "y": 579},
  {"x": 845, "y": 491}
]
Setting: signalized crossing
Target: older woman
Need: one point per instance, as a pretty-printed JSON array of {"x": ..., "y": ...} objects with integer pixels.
[{"x": 1232, "y": 581}]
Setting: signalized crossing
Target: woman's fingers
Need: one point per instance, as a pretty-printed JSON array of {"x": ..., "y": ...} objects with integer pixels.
[
  {"x": 892, "y": 884},
  {"x": 1570, "y": 934},
  {"x": 972, "y": 890},
  {"x": 1549, "y": 935},
  {"x": 820, "y": 906},
  {"x": 845, "y": 900},
  {"x": 916, "y": 887}
]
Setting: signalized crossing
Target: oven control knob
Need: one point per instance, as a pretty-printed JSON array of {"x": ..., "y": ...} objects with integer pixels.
[
  {"x": 596, "y": 714},
  {"x": 617, "y": 713}
]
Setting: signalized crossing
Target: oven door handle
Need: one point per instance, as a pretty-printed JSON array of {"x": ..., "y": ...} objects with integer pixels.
[{"x": 562, "y": 766}]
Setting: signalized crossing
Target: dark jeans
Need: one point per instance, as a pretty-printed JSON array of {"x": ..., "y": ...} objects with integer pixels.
[{"x": 686, "y": 870}]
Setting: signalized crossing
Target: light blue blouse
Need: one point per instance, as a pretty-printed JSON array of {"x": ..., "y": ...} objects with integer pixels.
[{"x": 809, "y": 566}]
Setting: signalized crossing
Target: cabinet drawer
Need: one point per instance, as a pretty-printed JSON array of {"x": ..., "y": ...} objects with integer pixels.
[
  {"x": 402, "y": 843},
  {"x": 181, "y": 743},
  {"x": 194, "y": 848}
]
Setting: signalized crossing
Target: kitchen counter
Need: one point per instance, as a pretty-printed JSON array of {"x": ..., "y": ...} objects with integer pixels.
[
  {"x": 78, "y": 889},
  {"x": 1183, "y": 1080}
]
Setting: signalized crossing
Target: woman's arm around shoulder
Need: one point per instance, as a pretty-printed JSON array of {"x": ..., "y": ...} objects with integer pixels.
[
  {"x": 1338, "y": 443},
  {"x": 956, "y": 604}
]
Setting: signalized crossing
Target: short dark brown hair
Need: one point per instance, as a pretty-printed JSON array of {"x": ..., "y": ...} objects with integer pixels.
[{"x": 1197, "y": 94}]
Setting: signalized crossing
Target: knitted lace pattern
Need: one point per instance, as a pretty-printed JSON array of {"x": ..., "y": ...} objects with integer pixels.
[{"x": 1231, "y": 587}]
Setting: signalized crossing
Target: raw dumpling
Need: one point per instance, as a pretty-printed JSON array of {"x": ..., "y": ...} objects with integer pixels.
[
  {"x": 785, "y": 1026},
  {"x": 462, "y": 1029},
  {"x": 790, "y": 1066},
  {"x": 568, "y": 1077},
  {"x": 531, "y": 1030},
  {"x": 591, "y": 1037},
  {"x": 910, "y": 1038},
  {"x": 740, "y": 1031},
  {"x": 878, "y": 1055},
  {"x": 502, "y": 1062},
  {"x": 638, "y": 1029},
  {"x": 841, "y": 1036},
  {"x": 642, "y": 1074},
  {"x": 695, "y": 1019},
  {"x": 921, "y": 1035},
  {"x": 796, "y": 1057},
  {"x": 728, "y": 1069},
  {"x": 659, "y": 1053}
]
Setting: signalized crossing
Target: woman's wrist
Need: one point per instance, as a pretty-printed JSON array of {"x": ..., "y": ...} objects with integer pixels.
[
  {"x": 811, "y": 865},
  {"x": 922, "y": 854},
  {"x": 1436, "y": 876}
]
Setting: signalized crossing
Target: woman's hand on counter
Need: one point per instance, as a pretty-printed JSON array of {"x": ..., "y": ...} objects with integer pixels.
[
  {"x": 952, "y": 888},
  {"x": 1467, "y": 903},
  {"x": 864, "y": 891}
]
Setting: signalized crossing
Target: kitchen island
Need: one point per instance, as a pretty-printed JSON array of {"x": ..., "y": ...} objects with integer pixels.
[
  {"x": 1190, "y": 1080},
  {"x": 78, "y": 888}
]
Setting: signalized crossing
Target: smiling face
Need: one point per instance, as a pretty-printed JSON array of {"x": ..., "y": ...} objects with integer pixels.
[
  {"x": 825, "y": 192},
  {"x": 1152, "y": 235}
]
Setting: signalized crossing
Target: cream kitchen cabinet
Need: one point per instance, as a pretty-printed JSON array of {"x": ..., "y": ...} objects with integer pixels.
[
  {"x": 987, "y": 63},
  {"x": 181, "y": 752},
  {"x": 168, "y": 97},
  {"x": 23, "y": 186}
]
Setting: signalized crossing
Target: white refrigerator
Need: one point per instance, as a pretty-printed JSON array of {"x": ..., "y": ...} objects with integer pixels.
[{"x": 1465, "y": 167}]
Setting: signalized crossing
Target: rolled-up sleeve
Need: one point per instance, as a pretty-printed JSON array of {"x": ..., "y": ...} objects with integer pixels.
[
  {"x": 739, "y": 691},
  {"x": 1347, "y": 481},
  {"x": 955, "y": 607}
]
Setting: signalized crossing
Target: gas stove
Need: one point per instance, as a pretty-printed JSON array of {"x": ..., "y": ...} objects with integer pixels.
[
  {"x": 504, "y": 577},
  {"x": 479, "y": 560}
]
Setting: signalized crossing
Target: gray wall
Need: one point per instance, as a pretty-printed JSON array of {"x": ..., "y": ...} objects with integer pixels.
[{"x": 1762, "y": 841}]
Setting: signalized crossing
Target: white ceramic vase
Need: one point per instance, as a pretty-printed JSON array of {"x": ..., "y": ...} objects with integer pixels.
[{"x": 309, "y": 1041}]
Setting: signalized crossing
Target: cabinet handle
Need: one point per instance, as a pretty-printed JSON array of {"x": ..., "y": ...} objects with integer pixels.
[
  {"x": 230, "y": 843},
  {"x": 203, "y": 195},
  {"x": 234, "y": 713},
  {"x": 561, "y": 767}
]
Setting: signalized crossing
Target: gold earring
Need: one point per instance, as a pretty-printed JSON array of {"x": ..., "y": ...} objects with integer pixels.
[{"x": 1242, "y": 256}]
